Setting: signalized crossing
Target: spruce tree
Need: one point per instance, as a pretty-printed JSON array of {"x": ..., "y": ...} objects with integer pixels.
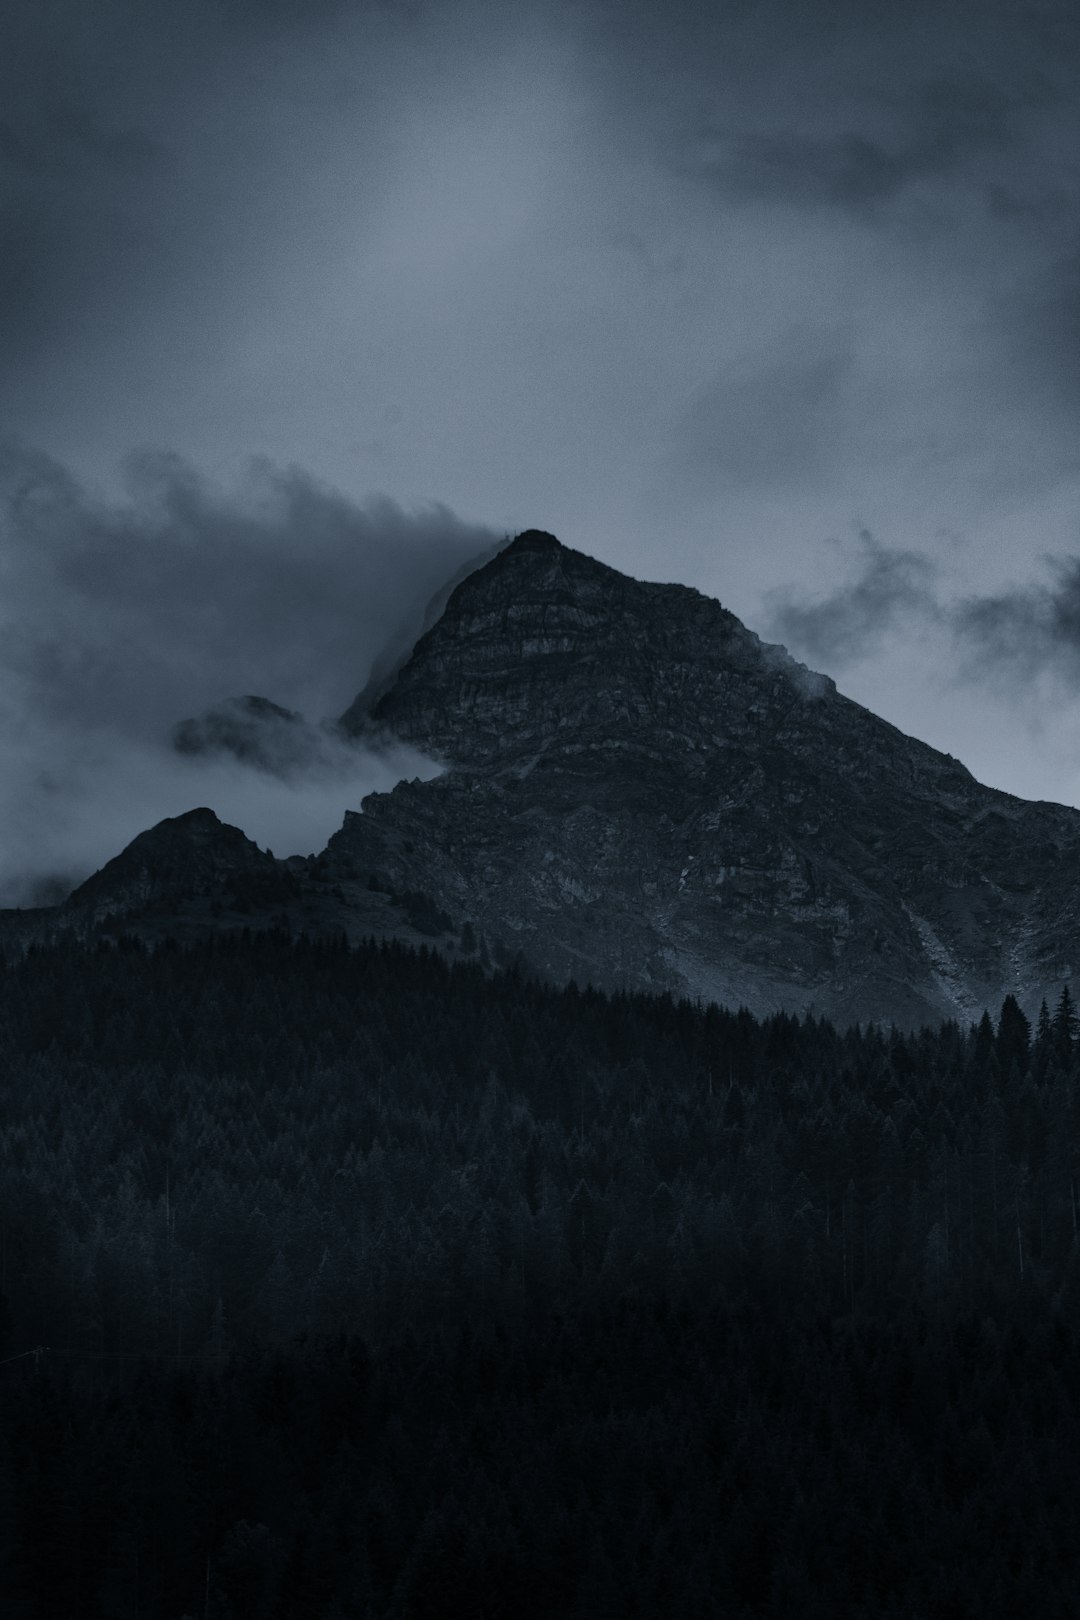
[
  {"x": 1013, "y": 1040},
  {"x": 1043, "y": 1046},
  {"x": 1064, "y": 1028}
]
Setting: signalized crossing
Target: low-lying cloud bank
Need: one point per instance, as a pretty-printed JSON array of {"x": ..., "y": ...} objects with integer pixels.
[{"x": 121, "y": 620}]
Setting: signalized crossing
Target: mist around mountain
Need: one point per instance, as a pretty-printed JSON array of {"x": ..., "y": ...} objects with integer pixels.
[{"x": 127, "y": 612}]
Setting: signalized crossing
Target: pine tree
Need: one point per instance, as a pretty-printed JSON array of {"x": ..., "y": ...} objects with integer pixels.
[
  {"x": 1044, "y": 1042},
  {"x": 1065, "y": 1027},
  {"x": 1013, "y": 1040}
]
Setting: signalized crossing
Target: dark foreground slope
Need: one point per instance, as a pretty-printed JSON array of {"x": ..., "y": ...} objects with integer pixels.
[
  {"x": 643, "y": 793},
  {"x": 374, "y": 1287}
]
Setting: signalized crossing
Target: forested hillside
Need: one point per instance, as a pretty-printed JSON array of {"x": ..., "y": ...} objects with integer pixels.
[{"x": 343, "y": 1282}]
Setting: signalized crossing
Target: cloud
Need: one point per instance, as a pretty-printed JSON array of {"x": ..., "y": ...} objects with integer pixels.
[
  {"x": 1024, "y": 635},
  {"x": 182, "y": 594},
  {"x": 945, "y": 124},
  {"x": 128, "y": 165},
  {"x": 259, "y": 733},
  {"x": 81, "y": 162},
  {"x": 69, "y": 801},
  {"x": 120, "y": 619},
  {"x": 891, "y": 587},
  {"x": 1012, "y": 641}
]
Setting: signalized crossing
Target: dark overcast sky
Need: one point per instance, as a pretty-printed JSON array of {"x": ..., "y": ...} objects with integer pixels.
[{"x": 782, "y": 301}]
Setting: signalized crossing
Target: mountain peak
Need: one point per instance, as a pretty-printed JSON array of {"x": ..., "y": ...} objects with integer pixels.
[
  {"x": 202, "y": 816},
  {"x": 180, "y": 857},
  {"x": 539, "y": 557},
  {"x": 533, "y": 540},
  {"x": 545, "y": 647}
]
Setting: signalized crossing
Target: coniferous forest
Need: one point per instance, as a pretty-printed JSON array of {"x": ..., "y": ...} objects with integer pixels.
[{"x": 343, "y": 1282}]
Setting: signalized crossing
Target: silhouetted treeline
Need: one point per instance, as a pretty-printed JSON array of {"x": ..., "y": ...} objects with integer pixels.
[{"x": 370, "y": 1285}]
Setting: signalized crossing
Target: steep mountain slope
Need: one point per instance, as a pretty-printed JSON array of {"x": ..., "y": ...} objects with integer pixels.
[{"x": 641, "y": 792}]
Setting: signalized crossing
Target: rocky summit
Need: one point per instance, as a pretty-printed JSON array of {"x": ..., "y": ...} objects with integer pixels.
[{"x": 640, "y": 793}]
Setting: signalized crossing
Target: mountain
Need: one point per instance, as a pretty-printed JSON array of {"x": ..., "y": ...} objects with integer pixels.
[
  {"x": 194, "y": 875},
  {"x": 641, "y": 793},
  {"x": 183, "y": 860}
]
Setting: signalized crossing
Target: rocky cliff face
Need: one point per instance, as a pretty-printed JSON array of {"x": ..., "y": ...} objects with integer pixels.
[{"x": 643, "y": 793}]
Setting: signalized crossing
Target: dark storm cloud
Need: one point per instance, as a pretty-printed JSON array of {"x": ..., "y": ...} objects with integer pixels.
[
  {"x": 182, "y": 595},
  {"x": 1018, "y": 636},
  {"x": 944, "y": 125},
  {"x": 914, "y": 166},
  {"x": 72, "y": 183},
  {"x": 98, "y": 105},
  {"x": 1009, "y": 641},
  {"x": 891, "y": 587},
  {"x": 77, "y": 180}
]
